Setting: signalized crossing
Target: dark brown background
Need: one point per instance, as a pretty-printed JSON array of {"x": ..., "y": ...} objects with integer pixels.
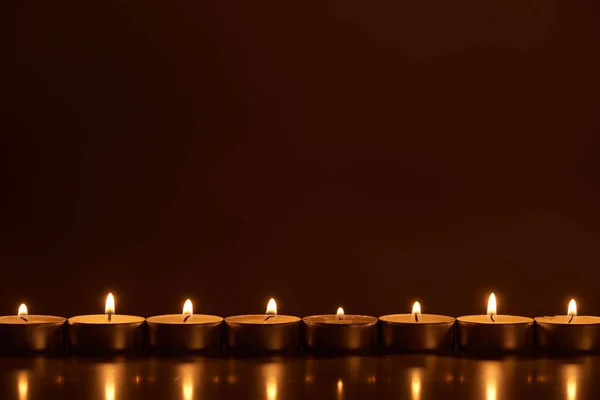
[{"x": 332, "y": 153}]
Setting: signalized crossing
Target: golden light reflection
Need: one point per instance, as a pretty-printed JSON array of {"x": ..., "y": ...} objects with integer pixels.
[
  {"x": 110, "y": 374},
  {"x": 23, "y": 385},
  {"x": 572, "y": 310},
  {"x": 340, "y": 389},
  {"x": 187, "y": 381},
  {"x": 109, "y": 389},
  {"x": 491, "y": 308},
  {"x": 340, "y": 314},
  {"x": 271, "y": 372},
  {"x": 271, "y": 307},
  {"x": 188, "y": 308},
  {"x": 271, "y": 388},
  {"x": 571, "y": 375},
  {"x": 110, "y": 304},
  {"x": 415, "y": 383},
  {"x": 491, "y": 375},
  {"x": 22, "y": 310}
]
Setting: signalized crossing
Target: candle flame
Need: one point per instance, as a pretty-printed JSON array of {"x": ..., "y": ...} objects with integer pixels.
[
  {"x": 340, "y": 314},
  {"x": 340, "y": 388},
  {"x": 572, "y": 308},
  {"x": 188, "y": 308},
  {"x": 491, "y": 308},
  {"x": 416, "y": 310},
  {"x": 110, "y": 304},
  {"x": 271, "y": 307},
  {"x": 22, "y": 310}
]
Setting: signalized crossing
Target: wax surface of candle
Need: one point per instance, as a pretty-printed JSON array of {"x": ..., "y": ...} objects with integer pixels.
[
  {"x": 103, "y": 319},
  {"x": 179, "y": 319},
  {"x": 564, "y": 320},
  {"x": 332, "y": 319},
  {"x": 423, "y": 319},
  {"x": 498, "y": 319},
  {"x": 31, "y": 319},
  {"x": 262, "y": 319}
]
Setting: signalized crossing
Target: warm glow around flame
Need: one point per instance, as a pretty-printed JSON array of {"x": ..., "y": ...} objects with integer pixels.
[
  {"x": 491, "y": 308},
  {"x": 271, "y": 307},
  {"x": 188, "y": 308},
  {"x": 572, "y": 308},
  {"x": 22, "y": 310},
  {"x": 340, "y": 314},
  {"x": 110, "y": 304}
]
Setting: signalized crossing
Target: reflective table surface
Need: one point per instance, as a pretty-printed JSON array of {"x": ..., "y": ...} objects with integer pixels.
[{"x": 356, "y": 377}]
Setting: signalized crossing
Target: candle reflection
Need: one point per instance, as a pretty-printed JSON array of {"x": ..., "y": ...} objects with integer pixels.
[
  {"x": 271, "y": 388},
  {"x": 271, "y": 373},
  {"x": 109, "y": 388},
  {"x": 340, "y": 389},
  {"x": 23, "y": 384},
  {"x": 415, "y": 383},
  {"x": 571, "y": 374},
  {"x": 187, "y": 379},
  {"x": 110, "y": 374},
  {"x": 491, "y": 374}
]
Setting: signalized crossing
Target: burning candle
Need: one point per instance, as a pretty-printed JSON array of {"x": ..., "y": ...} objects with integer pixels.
[
  {"x": 417, "y": 332},
  {"x": 24, "y": 333},
  {"x": 267, "y": 332},
  {"x": 106, "y": 333},
  {"x": 340, "y": 332},
  {"x": 185, "y": 332},
  {"x": 569, "y": 332},
  {"x": 495, "y": 332}
]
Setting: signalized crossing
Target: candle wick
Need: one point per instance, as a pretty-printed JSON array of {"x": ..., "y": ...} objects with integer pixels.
[
  {"x": 269, "y": 316},
  {"x": 572, "y": 316},
  {"x": 109, "y": 317},
  {"x": 23, "y": 318},
  {"x": 492, "y": 317},
  {"x": 187, "y": 317},
  {"x": 417, "y": 317}
]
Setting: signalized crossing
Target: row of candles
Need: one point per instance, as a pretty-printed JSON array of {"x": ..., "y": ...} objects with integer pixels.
[{"x": 272, "y": 332}]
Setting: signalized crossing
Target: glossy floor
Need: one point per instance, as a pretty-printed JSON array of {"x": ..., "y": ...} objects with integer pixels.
[{"x": 399, "y": 377}]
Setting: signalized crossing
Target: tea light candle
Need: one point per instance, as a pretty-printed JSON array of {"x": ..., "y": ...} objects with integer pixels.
[
  {"x": 106, "y": 333},
  {"x": 185, "y": 332},
  {"x": 267, "y": 332},
  {"x": 569, "y": 332},
  {"x": 340, "y": 332},
  {"x": 493, "y": 332},
  {"x": 26, "y": 334},
  {"x": 417, "y": 332}
]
